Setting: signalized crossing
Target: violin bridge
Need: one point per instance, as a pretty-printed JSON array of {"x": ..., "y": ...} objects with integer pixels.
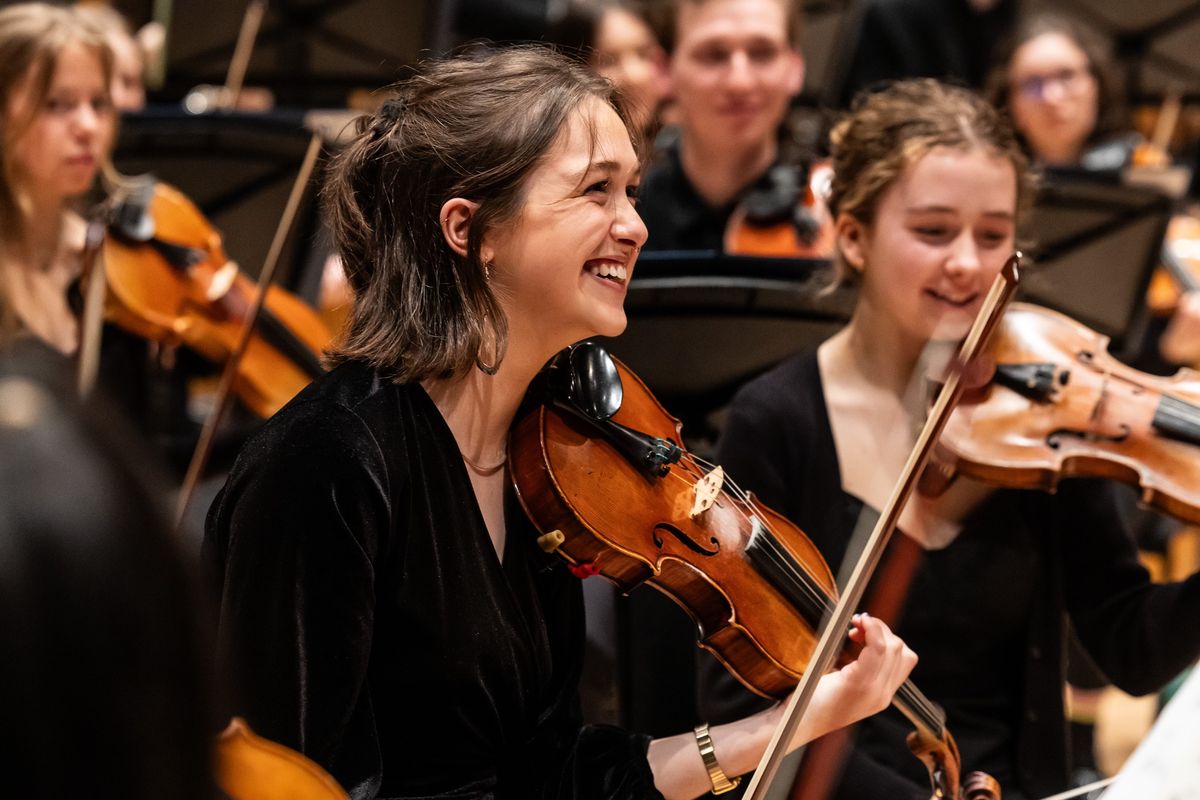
[
  {"x": 706, "y": 491},
  {"x": 222, "y": 281}
]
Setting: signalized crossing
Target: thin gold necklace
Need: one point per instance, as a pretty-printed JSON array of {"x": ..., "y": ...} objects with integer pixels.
[{"x": 482, "y": 469}]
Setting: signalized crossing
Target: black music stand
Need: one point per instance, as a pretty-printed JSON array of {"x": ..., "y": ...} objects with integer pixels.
[
  {"x": 702, "y": 323},
  {"x": 1157, "y": 44},
  {"x": 239, "y": 169},
  {"x": 310, "y": 53},
  {"x": 1094, "y": 246}
]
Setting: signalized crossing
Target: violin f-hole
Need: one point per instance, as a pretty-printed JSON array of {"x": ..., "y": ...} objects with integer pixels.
[
  {"x": 684, "y": 539},
  {"x": 1053, "y": 438}
]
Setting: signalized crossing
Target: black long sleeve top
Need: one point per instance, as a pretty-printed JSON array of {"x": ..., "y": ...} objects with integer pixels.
[
  {"x": 986, "y": 614},
  {"x": 371, "y": 625}
]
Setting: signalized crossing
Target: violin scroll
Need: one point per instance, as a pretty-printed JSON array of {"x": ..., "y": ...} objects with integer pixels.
[
  {"x": 942, "y": 761},
  {"x": 981, "y": 786}
]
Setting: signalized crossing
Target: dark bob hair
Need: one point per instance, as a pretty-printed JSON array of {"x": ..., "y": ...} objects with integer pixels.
[{"x": 473, "y": 127}]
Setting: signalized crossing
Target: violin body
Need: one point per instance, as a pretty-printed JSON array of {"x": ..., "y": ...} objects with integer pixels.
[
  {"x": 633, "y": 506},
  {"x": 648, "y": 537},
  {"x": 792, "y": 222},
  {"x": 250, "y": 767},
  {"x": 1060, "y": 405},
  {"x": 173, "y": 283}
]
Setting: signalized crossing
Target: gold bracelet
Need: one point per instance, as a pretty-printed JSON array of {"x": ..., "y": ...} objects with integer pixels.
[{"x": 720, "y": 781}]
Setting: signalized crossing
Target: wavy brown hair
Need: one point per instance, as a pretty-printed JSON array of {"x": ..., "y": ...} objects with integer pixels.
[
  {"x": 887, "y": 131},
  {"x": 473, "y": 127}
]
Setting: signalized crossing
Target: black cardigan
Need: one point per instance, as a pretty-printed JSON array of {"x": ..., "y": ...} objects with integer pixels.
[
  {"x": 371, "y": 625},
  {"x": 1056, "y": 555}
]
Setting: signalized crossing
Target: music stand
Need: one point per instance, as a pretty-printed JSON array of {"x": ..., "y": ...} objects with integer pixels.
[
  {"x": 238, "y": 168},
  {"x": 1094, "y": 248},
  {"x": 702, "y": 323},
  {"x": 310, "y": 54},
  {"x": 1157, "y": 42}
]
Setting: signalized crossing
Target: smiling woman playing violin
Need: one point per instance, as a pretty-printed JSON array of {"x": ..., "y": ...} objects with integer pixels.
[
  {"x": 383, "y": 602},
  {"x": 928, "y": 183}
]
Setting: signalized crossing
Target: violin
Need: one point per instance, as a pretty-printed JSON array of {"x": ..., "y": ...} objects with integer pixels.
[
  {"x": 250, "y": 767},
  {"x": 789, "y": 218},
  {"x": 1059, "y": 405},
  {"x": 756, "y": 586},
  {"x": 170, "y": 281}
]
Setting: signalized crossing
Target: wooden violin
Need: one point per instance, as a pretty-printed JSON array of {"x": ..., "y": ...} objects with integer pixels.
[
  {"x": 170, "y": 281},
  {"x": 598, "y": 467},
  {"x": 250, "y": 767},
  {"x": 1059, "y": 405},
  {"x": 789, "y": 218}
]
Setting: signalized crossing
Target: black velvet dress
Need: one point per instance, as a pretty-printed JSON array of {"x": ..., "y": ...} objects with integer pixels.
[
  {"x": 986, "y": 614},
  {"x": 370, "y": 624}
]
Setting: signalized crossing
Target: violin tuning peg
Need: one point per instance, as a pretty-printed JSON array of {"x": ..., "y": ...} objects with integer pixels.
[{"x": 549, "y": 542}]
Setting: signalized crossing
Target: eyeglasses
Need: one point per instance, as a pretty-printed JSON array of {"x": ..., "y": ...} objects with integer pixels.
[{"x": 1068, "y": 80}]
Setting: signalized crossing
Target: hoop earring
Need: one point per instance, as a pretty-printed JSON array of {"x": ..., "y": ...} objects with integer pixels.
[{"x": 487, "y": 369}]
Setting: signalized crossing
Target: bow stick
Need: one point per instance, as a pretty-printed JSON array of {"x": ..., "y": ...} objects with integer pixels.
[{"x": 225, "y": 387}]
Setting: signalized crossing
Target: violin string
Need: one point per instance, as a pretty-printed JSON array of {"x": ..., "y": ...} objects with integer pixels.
[
  {"x": 931, "y": 715},
  {"x": 819, "y": 601}
]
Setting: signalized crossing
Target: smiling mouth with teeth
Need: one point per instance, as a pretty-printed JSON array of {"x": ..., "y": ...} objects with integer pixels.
[
  {"x": 960, "y": 303},
  {"x": 607, "y": 270}
]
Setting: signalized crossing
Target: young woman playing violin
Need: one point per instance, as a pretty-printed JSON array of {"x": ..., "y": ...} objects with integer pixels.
[
  {"x": 57, "y": 122},
  {"x": 928, "y": 183},
  {"x": 1055, "y": 80},
  {"x": 383, "y": 602}
]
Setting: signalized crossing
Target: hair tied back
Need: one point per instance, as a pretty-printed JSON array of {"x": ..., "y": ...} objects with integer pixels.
[{"x": 389, "y": 114}]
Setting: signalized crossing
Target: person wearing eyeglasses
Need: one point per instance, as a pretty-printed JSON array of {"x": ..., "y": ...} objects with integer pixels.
[{"x": 1054, "y": 80}]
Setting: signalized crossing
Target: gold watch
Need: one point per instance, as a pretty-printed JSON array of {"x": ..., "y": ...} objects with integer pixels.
[{"x": 721, "y": 782}]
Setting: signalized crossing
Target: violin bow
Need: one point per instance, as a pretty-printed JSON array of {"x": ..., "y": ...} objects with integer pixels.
[
  {"x": 91, "y": 322},
  {"x": 834, "y": 634},
  {"x": 1079, "y": 791},
  {"x": 240, "y": 62},
  {"x": 225, "y": 387}
]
